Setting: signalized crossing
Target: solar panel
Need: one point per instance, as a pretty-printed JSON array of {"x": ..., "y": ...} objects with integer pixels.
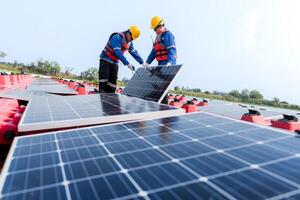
[
  {"x": 169, "y": 158},
  {"x": 235, "y": 111},
  {"x": 54, "y": 89},
  {"x": 25, "y": 95},
  {"x": 51, "y": 112},
  {"x": 152, "y": 84},
  {"x": 44, "y": 81},
  {"x": 53, "y": 86}
]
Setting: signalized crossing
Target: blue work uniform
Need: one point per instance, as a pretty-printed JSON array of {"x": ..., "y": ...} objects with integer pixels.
[
  {"x": 116, "y": 47},
  {"x": 112, "y": 53},
  {"x": 164, "y": 49}
]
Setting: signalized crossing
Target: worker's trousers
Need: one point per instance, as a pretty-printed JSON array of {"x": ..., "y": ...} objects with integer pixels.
[{"x": 108, "y": 76}]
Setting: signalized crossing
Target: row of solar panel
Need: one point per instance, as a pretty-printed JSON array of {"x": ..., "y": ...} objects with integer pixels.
[
  {"x": 189, "y": 157},
  {"x": 73, "y": 111},
  {"x": 146, "y": 84}
]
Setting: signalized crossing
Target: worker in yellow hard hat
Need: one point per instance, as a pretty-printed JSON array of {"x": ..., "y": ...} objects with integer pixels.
[
  {"x": 113, "y": 51},
  {"x": 164, "y": 47}
]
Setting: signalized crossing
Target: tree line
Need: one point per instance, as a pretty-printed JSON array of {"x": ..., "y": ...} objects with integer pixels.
[
  {"x": 243, "y": 96},
  {"x": 53, "y": 68},
  {"x": 50, "y": 68}
]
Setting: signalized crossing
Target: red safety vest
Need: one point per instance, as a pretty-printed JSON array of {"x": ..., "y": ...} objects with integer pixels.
[
  {"x": 109, "y": 51},
  {"x": 161, "y": 52}
]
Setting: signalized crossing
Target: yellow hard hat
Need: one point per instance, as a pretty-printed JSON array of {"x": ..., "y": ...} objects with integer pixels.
[
  {"x": 135, "y": 32},
  {"x": 155, "y": 21}
]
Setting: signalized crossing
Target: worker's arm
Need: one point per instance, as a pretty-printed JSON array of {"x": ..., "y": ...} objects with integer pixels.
[
  {"x": 151, "y": 56},
  {"x": 135, "y": 54},
  {"x": 116, "y": 42},
  {"x": 169, "y": 42}
]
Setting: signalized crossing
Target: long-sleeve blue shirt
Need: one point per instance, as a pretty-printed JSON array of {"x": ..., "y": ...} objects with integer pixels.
[
  {"x": 168, "y": 40},
  {"x": 115, "y": 43}
]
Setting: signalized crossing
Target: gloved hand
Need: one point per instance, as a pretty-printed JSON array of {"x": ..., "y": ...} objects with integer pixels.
[
  {"x": 168, "y": 64},
  {"x": 131, "y": 67},
  {"x": 146, "y": 66}
]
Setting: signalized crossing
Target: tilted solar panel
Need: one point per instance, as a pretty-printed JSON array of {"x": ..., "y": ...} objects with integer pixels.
[
  {"x": 196, "y": 156},
  {"x": 52, "y": 112},
  {"x": 152, "y": 84}
]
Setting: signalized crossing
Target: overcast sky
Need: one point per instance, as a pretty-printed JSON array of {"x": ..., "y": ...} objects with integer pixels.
[{"x": 223, "y": 44}]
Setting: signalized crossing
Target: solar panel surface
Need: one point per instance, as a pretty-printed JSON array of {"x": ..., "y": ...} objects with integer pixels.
[
  {"x": 235, "y": 111},
  {"x": 197, "y": 156},
  {"x": 54, "y": 86},
  {"x": 23, "y": 94},
  {"x": 54, "y": 89},
  {"x": 152, "y": 84},
  {"x": 73, "y": 111},
  {"x": 44, "y": 81}
]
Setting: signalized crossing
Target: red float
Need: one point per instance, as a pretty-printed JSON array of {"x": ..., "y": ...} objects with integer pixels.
[
  {"x": 176, "y": 103},
  {"x": 288, "y": 122},
  {"x": 190, "y": 107},
  {"x": 255, "y": 117},
  {"x": 81, "y": 89},
  {"x": 203, "y": 103},
  {"x": 8, "y": 131}
]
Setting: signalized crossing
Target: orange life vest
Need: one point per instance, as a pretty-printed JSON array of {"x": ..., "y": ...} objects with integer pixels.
[
  {"x": 109, "y": 51},
  {"x": 161, "y": 52}
]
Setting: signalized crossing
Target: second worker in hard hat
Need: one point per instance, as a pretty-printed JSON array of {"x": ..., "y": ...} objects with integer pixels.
[
  {"x": 164, "y": 47},
  {"x": 112, "y": 53}
]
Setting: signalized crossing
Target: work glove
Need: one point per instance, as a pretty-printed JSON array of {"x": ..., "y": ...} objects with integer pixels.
[
  {"x": 168, "y": 64},
  {"x": 146, "y": 66},
  {"x": 131, "y": 67}
]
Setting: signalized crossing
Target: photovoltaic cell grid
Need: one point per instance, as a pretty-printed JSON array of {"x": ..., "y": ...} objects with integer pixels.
[
  {"x": 54, "y": 89},
  {"x": 49, "y": 82},
  {"x": 22, "y": 94},
  {"x": 152, "y": 84},
  {"x": 234, "y": 110},
  {"x": 44, "y": 81},
  {"x": 197, "y": 156},
  {"x": 72, "y": 111}
]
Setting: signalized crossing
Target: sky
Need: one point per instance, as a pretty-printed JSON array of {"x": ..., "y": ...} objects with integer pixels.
[{"x": 223, "y": 44}]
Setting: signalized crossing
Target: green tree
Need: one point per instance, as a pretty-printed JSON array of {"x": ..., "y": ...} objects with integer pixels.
[
  {"x": 196, "y": 90},
  {"x": 245, "y": 94},
  {"x": 2, "y": 54},
  {"x": 284, "y": 102},
  {"x": 90, "y": 74},
  {"x": 216, "y": 92},
  {"x": 276, "y": 100},
  {"x": 39, "y": 67},
  {"x": 68, "y": 71},
  {"x": 229, "y": 98},
  {"x": 235, "y": 93},
  {"x": 40, "y": 63},
  {"x": 176, "y": 88},
  {"x": 47, "y": 67},
  {"x": 254, "y": 94},
  {"x": 55, "y": 68}
]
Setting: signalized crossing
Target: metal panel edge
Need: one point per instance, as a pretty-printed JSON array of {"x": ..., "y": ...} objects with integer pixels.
[
  {"x": 98, "y": 120},
  {"x": 167, "y": 89}
]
